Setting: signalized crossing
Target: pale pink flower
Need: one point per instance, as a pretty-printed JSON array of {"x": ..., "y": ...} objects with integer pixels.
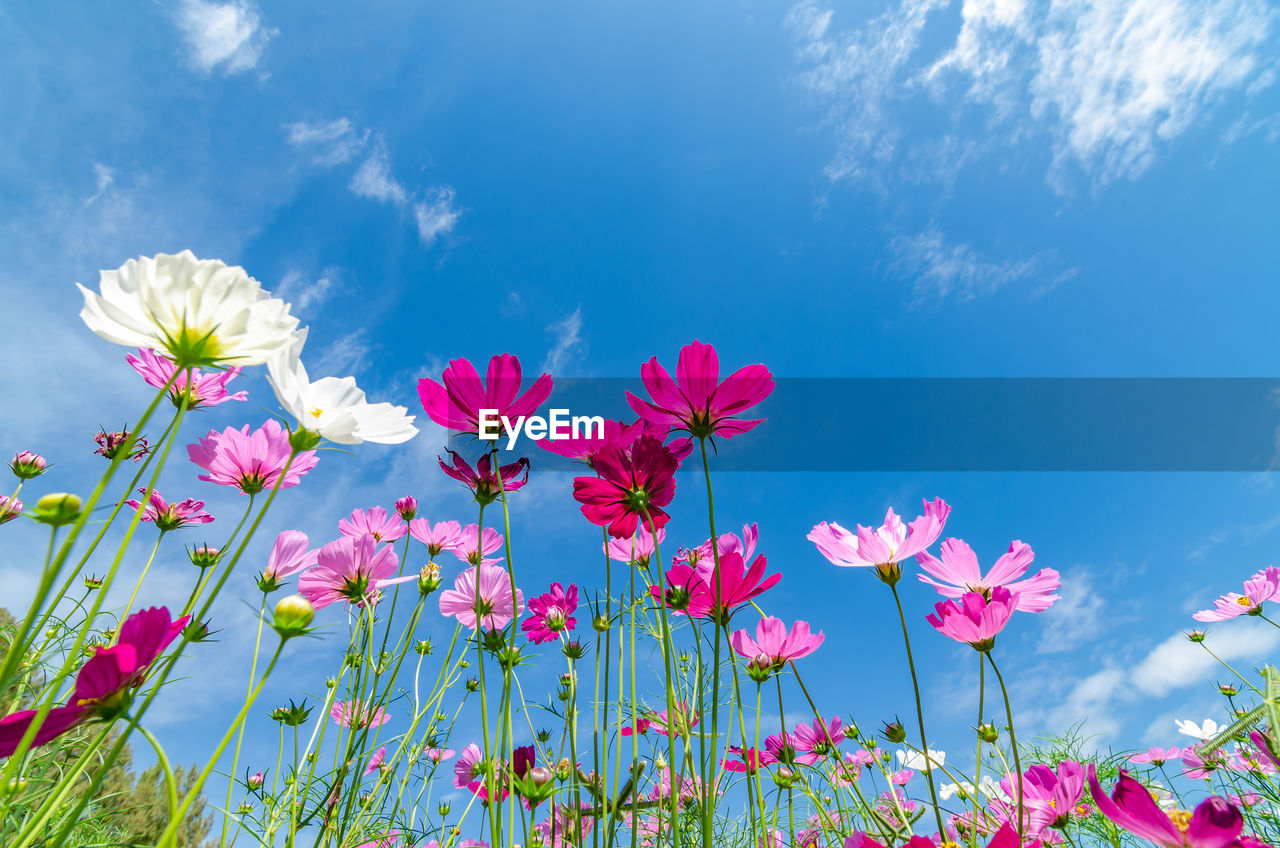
[
  {"x": 375, "y": 762},
  {"x": 774, "y": 645},
  {"x": 200, "y": 388},
  {"x": 375, "y": 522},
  {"x": 637, "y": 549},
  {"x": 491, "y": 602},
  {"x": 350, "y": 569},
  {"x": 958, "y": 572},
  {"x": 251, "y": 462},
  {"x": 439, "y": 755},
  {"x": 467, "y": 769},
  {"x": 289, "y": 555},
  {"x": 1156, "y": 756},
  {"x": 1262, "y": 587},
  {"x": 472, "y": 545},
  {"x": 444, "y": 536},
  {"x": 886, "y": 547},
  {"x": 356, "y": 714}
]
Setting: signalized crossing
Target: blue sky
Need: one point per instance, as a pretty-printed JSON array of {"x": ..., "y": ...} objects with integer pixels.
[{"x": 982, "y": 188}]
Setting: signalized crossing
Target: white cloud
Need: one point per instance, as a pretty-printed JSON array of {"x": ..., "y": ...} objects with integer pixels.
[
  {"x": 227, "y": 35},
  {"x": 942, "y": 268},
  {"x": 1178, "y": 662},
  {"x": 436, "y": 216},
  {"x": 305, "y": 294},
  {"x": 374, "y": 180},
  {"x": 1075, "y": 618},
  {"x": 348, "y": 356},
  {"x": 329, "y": 144},
  {"x": 569, "y": 344}
]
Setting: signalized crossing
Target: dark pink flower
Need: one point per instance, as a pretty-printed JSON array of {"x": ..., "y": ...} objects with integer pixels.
[
  {"x": 813, "y": 741},
  {"x": 1262, "y": 587},
  {"x": 774, "y": 645},
  {"x": 444, "y": 536},
  {"x": 200, "y": 388},
  {"x": 456, "y": 402},
  {"x": 481, "y": 480},
  {"x": 682, "y": 725},
  {"x": 630, "y": 486},
  {"x": 973, "y": 619},
  {"x": 747, "y": 761},
  {"x": 375, "y": 522},
  {"x": 1006, "y": 837},
  {"x": 697, "y": 401},
  {"x": 10, "y": 508},
  {"x": 690, "y": 589},
  {"x": 1215, "y": 823},
  {"x": 110, "y": 444},
  {"x": 248, "y": 461},
  {"x": 585, "y": 447},
  {"x": 104, "y": 684},
  {"x": 883, "y": 549},
  {"x": 552, "y": 613},
  {"x": 958, "y": 572},
  {"x": 171, "y": 516},
  {"x": 1049, "y": 795},
  {"x": 1264, "y": 748},
  {"x": 351, "y": 569},
  {"x": 491, "y": 602}
]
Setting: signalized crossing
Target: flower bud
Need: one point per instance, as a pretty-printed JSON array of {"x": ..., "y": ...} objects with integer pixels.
[
  {"x": 600, "y": 624},
  {"x": 245, "y": 809},
  {"x": 894, "y": 732},
  {"x": 760, "y": 669},
  {"x": 784, "y": 777},
  {"x": 573, "y": 649},
  {"x": 92, "y": 581},
  {"x": 1228, "y": 690},
  {"x": 472, "y": 684},
  {"x": 10, "y": 508},
  {"x": 255, "y": 781},
  {"x": 204, "y": 556},
  {"x": 303, "y": 439},
  {"x": 429, "y": 578},
  {"x": 443, "y": 808},
  {"x": 1196, "y": 635},
  {"x": 292, "y": 615},
  {"x": 988, "y": 732},
  {"x": 423, "y": 647},
  {"x": 566, "y": 679},
  {"x": 196, "y": 631},
  {"x": 543, "y": 736},
  {"x": 27, "y": 465},
  {"x": 564, "y": 768},
  {"x": 57, "y": 509},
  {"x": 494, "y": 640},
  {"x": 407, "y": 507}
]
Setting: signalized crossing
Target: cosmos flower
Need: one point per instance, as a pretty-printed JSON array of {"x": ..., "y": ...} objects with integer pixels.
[
  {"x": 375, "y": 762},
  {"x": 958, "y": 572},
  {"x": 351, "y": 569},
  {"x": 375, "y": 522},
  {"x": 813, "y": 741},
  {"x": 747, "y": 761},
  {"x": 10, "y": 508},
  {"x": 552, "y": 613},
  {"x": 774, "y": 645},
  {"x": 697, "y": 401},
  {"x": 691, "y": 591},
  {"x": 199, "y": 389},
  {"x": 473, "y": 546},
  {"x": 334, "y": 408},
  {"x": 1262, "y": 587},
  {"x": 250, "y": 462},
  {"x": 439, "y": 755},
  {"x": 1049, "y": 795},
  {"x": 197, "y": 312},
  {"x": 456, "y": 401},
  {"x": 481, "y": 480},
  {"x": 356, "y": 714},
  {"x": 468, "y": 767},
  {"x": 1156, "y": 756},
  {"x": 105, "y": 683},
  {"x": 171, "y": 516},
  {"x": 444, "y": 536},
  {"x": 1215, "y": 823},
  {"x": 110, "y": 444},
  {"x": 289, "y": 554},
  {"x": 637, "y": 550},
  {"x": 490, "y": 602},
  {"x": 631, "y": 487},
  {"x": 973, "y": 619},
  {"x": 1203, "y": 732},
  {"x": 885, "y": 548}
]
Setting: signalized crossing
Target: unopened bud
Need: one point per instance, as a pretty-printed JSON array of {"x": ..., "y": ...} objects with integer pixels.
[
  {"x": 92, "y": 582},
  {"x": 1196, "y": 635},
  {"x": 204, "y": 556},
  {"x": 255, "y": 780},
  {"x": 58, "y": 508},
  {"x": 303, "y": 439},
  {"x": 988, "y": 732},
  {"x": 894, "y": 732},
  {"x": 407, "y": 507},
  {"x": 600, "y": 624},
  {"x": 26, "y": 465},
  {"x": 443, "y": 808},
  {"x": 292, "y": 615}
]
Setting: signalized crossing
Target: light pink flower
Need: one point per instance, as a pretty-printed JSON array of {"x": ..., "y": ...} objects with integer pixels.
[
  {"x": 356, "y": 714},
  {"x": 467, "y": 769},
  {"x": 973, "y": 619},
  {"x": 439, "y": 755},
  {"x": 289, "y": 555},
  {"x": 774, "y": 645},
  {"x": 886, "y": 547},
  {"x": 251, "y": 462},
  {"x": 638, "y": 549},
  {"x": 1156, "y": 756},
  {"x": 350, "y": 569},
  {"x": 375, "y": 762},
  {"x": 444, "y": 536},
  {"x": 697, "y": 401},
  {"x": 201, "y": 389},
  {"x": 456, "y": 401},
  {"x": 813, "y": 741},
  {"x": 375, "y": 522},
  {"x": 491, "y": 602},
  {"x": 958, "y": 572},
  {"x": 730, "y": 543},
  {"x": 472, "y": 545},
  {"x": 1262, "y": 587},
  {"x": 171, "y": 516}
]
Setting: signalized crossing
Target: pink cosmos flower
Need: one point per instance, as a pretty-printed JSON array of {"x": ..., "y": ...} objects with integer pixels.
[
  {"x": 689, "y": 788},
  {"x": 375, "y": 522},
  {"x": 248, "y": 461},
  {"x": 200, "y": 388},
  {"x": 350, "y": 569},
  {"x": 110, "y": 444},
  {"x": 774, "y": 645},
  {"x": 901, "y": 777},
  {"x": 467, "y": 768},
  {"x": 637, "y": 550},
  {"x": 1156, "y": 756},
  {"x": 585, "y": 447},
  {"x": 375, "y": 762},
  {"x": 444, "y": 536},
  {"x": 1262, "y": 587},
  {"x": 1049, "y": 795},
  {"x": 1264, "y": 748},
  {"x": 10, "y": 508},
  {"x": 629, "y": 485},
  {"x": 975, "y": 620},
  {"x": 356, "y": 714},
  {"x": 439, "y": 755},
  {"x": 1215, "y": 823},
  {"x": 481, "y": 480},
  {"x": 392, "y": 840},
  {"x": 690, "y": 589},
  {"x": 885, "y": 548},
  {"x": 552, "y": 613},
  {"x": 729, "y": 543},
  {"x": 747, "y": 761},
  {"x": 491, "y": 602},
  {"x": 1006, "y": 837},
  {"x": 472, "y": 545},
  {"x": 564, "y": 828},
  {"x": 289, "y": 555},
  {"x": 456, "y": 402},
  {"x": 683, "y": 724},
  {"x": 959, "y": 572},
  {"x": 697, "y": 401},
  {"x": 171, "y": 516},
  {"x": 813, "y": 741},
  {"x": 104, "y": 684}
]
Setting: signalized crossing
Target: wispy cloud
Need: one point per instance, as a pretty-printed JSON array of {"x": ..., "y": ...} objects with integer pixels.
[
  {"x": 328, "y": 144},
  {"x": 436, "y": 215},
  {"x": 569, "y": 344},
  {"x": 348, "y": 356},
  {"x": 373, "y": 179},
  {"x": 227, "y": 36},
  {"x": 306, "y": 294},
  {"x": 1075, "y": 618},
  {"x": 941, "y": 268}
]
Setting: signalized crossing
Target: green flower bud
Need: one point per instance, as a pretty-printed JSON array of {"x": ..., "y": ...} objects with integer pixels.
[
  {"x": 292, "y": 615},
  {"x": 58, "y": 508}
]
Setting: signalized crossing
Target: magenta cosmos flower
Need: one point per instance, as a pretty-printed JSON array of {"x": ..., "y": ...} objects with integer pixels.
[
  {"x": 974, "y": 619},
  {"x": 885, "y": 548},
  {"x": 104, "y": 683},
  {"x": 248, "y": 461},
  {"x": 351, "y": 569},
  {"x": 813, "y": 741},
  {"x": 444, "y": 536},
  {"x": 357, "y": 714},
  {"x": 1262, "y": 587},
  {"x": 774, "y": 645},
  {"x": 691, "y": 589},
  {"x": 290, "y": 554},
  {"x": 473, "y": 546},
  {"x": 697, "y": 401},
  {"x": 456, "y": 401},
  {"x": 1006, "y": 837},
  {"x": 958, "y": 572},
  {"x": 171, "y": 516},
  {"x": 1049, "y": 796},
  {"x": 489, "y": 599},
  {"x": 552, "y": 613},
  {"x": 200, "y": 389},
  {"x": 1215, "y": 823},
  {"x": 746, "y": 761},
  {"x": 111, "y": 444},
  {"x": 375, "y": 522},
  {"x": 637, "y": 550},
  {"x": 482, "y": 481},
  {"x": 632, "y": 487}
]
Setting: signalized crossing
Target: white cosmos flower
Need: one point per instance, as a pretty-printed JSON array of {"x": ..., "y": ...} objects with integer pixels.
[
  {"x": 334, "y": 407},
  {"x": 196, "y": 311},
  {"x": 914, "y": 760},
  {"x": 1203, "y": 732},
  {"x": 947, "y": 791}
]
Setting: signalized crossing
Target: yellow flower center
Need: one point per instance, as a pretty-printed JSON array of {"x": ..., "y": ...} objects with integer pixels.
[
  {"x": 315, "y": 412},
  {"x": 1244, "y": 601},
  {"x": 1181, "y": 819}
]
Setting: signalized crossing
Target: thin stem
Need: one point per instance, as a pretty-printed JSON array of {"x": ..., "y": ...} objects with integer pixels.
[
  {"x": 915, "y": 685},
  {"x": 1013, "y": 741}
]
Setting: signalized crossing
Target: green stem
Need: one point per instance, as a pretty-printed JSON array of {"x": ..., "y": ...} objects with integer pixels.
[
  {"x": 709, "y": 787},
  {"x": 1013, "y": 742},
  {"x": 915, "y": 686}
]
